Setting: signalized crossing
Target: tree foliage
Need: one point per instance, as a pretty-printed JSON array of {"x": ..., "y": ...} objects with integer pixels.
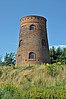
[
  {"x": 1, "y": 62},
  {"x": 9, "y": 59},
  {"x": 58, "y": 55},
  {"x": 0, "y": 59}
]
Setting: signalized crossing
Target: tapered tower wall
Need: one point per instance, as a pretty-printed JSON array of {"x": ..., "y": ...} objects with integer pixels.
[{"x": 33, "y": 43}]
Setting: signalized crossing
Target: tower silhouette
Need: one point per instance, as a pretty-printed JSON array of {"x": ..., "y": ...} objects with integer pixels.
[{"x": 33, "y": 43}]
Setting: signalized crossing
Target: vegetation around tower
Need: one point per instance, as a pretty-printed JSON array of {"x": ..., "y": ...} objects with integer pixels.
[
  {"x": 43, "y": 81},
  {"x": 32, "y": 77},
  {"x": 37, "y": 81}
]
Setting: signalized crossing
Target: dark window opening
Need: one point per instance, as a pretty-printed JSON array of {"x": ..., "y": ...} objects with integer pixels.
[
  {"x": 20, "y": 43},
  {"x": 31, "y": 55},
  {"x": 43, "y": 42},
  {"x": 32, "y": 27}
]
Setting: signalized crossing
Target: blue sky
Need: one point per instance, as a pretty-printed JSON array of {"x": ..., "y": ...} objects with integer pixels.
[{"x": 12, "y": 10}]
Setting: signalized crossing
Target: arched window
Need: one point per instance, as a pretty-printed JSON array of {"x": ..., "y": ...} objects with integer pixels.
[
  {"x": 43, "y": 42},
  {"x": 31, "y": 55},
  {"x": 32, "y": 27},
  {"x": 20, "y": 43}
]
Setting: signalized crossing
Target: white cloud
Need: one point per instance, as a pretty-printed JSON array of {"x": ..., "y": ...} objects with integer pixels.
[{"x": 56, "y": 46}]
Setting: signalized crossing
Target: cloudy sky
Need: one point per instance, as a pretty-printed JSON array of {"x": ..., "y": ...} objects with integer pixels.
[{"x": 12, "y": 10}]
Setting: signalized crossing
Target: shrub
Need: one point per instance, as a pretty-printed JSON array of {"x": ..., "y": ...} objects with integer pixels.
[{"x": 52, "y": 70}]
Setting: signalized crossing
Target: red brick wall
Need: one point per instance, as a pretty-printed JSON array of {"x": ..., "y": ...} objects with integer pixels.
[{"x": 32, "y": 41}]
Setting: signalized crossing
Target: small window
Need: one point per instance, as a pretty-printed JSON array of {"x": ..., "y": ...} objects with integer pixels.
[
  {"x": 31, "y": 55},
  {"x": 43, "y": 42},
  {"x": 32, "y": 27},
  {"x": 20, "y": 43}
]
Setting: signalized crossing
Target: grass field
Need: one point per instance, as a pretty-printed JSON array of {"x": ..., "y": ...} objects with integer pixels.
[{"x": 43, "y": 81}]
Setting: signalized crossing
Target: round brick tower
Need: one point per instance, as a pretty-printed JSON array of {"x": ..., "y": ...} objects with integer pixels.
[{"x": 33, "y": 43}]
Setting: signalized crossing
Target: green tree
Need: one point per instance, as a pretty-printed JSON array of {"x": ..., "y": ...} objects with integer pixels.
[
  {"x": 9, "y": 59},
  {"x": 58, "y": 55},
  {"x": 59, "y": 52},
  {"x": 1, "y": 60},
  {"x": 53, "y": 54},
  {"x": 64, "y": 56}
]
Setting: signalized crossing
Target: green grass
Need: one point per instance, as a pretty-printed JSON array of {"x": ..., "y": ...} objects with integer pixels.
[{"x": 43, "y": 81}]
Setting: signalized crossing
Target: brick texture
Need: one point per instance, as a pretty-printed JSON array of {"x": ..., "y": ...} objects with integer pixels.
[{"x": 30, "y": 40}]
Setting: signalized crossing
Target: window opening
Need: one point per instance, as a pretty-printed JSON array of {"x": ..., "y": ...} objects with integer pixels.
[
  {"x": 31, "y": 55},
  {"x": 32, "y": 27},
  {"x": 20, "y": 43}
]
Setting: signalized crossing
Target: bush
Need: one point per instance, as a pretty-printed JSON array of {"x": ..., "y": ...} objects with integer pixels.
[{"x": 52, "y": 70}]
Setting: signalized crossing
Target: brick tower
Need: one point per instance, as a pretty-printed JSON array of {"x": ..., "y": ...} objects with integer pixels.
[{"x": 33, "y": 43}]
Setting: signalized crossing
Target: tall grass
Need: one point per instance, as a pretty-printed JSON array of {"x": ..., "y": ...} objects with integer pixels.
[{"x": 43, "y": 81}]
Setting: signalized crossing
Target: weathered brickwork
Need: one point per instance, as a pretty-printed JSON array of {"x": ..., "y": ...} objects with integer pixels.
[{"x": 33, "y": 43}]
